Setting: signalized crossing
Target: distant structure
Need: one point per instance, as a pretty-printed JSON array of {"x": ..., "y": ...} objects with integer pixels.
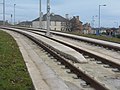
[
  {"x": 25, "y": 24},
  {"x": 6, "y": 23},
  {"x": 57, "y": 22},
  {"x": 87, "y": 28},
  {"x": 67, "y": 16},
  {"x": 66, "y": 24},
  {"x": 119, "y": 30},
  {"x": 76, "y": 24},
  {"x": 111, "y": 31}
]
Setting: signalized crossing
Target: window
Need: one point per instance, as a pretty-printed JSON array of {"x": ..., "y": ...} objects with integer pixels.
[{"x": 62, "y": 23}]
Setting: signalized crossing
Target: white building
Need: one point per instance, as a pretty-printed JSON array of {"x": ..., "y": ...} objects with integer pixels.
[{"x": 57, "y": 22}]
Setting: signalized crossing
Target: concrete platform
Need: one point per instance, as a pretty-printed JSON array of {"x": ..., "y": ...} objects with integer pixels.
[
  {"x": 42, "y": 76},
  {"x": 78, "y": 37},
  {"x": 89, "y": 39},
  {"x": 65, "y": 51},
  {"x": 95, "y": 52}
]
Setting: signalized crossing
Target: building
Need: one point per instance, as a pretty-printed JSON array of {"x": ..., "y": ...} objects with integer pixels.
[
  {"x": 76, "y": 24},
  {"x": 57, "y": 22},
  {"x": 112, "y": 31},
  {"x": 87, "y": 29},
  {"x": 6, "y": 23},
  {"x": 119, "y": 30},
  {"x": 25, "y": 24}
]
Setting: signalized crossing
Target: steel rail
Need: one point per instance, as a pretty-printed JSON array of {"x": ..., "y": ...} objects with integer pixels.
[
  {"x": 80, "y": 73},
  {"x": 92, "y": 42},
  {"x": 76, "y": 38},
  {"x": 97, "y": 57}
]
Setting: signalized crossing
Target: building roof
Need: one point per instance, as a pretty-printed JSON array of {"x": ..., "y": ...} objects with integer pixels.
[
  {"x": 75, "y": 19},
  {"x": 53, "y": 17}
]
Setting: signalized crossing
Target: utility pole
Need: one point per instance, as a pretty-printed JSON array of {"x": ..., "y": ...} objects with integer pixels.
[
  {"x": 99, "y": 22},
  {"x": 48, "y": 18},
  {"x": 11, "y": 18},
  {"x": 40, "y": 15},
  {"x": 14, "y": 13},
  {"x": 3, "y": 12}
]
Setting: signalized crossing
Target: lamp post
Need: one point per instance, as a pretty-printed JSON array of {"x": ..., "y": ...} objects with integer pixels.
[
  {"x": 97, "y": 33},
  {"x": 14, "y": 13},
  {"x": 48, "y": 18},
  {"x": 40, "y": 15},
  {"x": 3, "y": 12}
]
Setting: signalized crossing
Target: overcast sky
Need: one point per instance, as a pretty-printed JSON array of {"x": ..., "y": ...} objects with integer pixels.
[{"x": 86, "y": 9}]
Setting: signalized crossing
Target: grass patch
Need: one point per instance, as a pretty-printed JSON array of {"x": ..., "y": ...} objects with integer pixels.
[
  {"x": 106, "y": 38},
  {"x": 13, "y": 71}
]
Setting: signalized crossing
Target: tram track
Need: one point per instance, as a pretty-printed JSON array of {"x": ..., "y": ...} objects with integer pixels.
[
  {"x": 104, "y": 63},
  {"x": 93, "y": 42},
  {"x": 98, "y": 57},
  {"x": 74, "y": 68}
]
